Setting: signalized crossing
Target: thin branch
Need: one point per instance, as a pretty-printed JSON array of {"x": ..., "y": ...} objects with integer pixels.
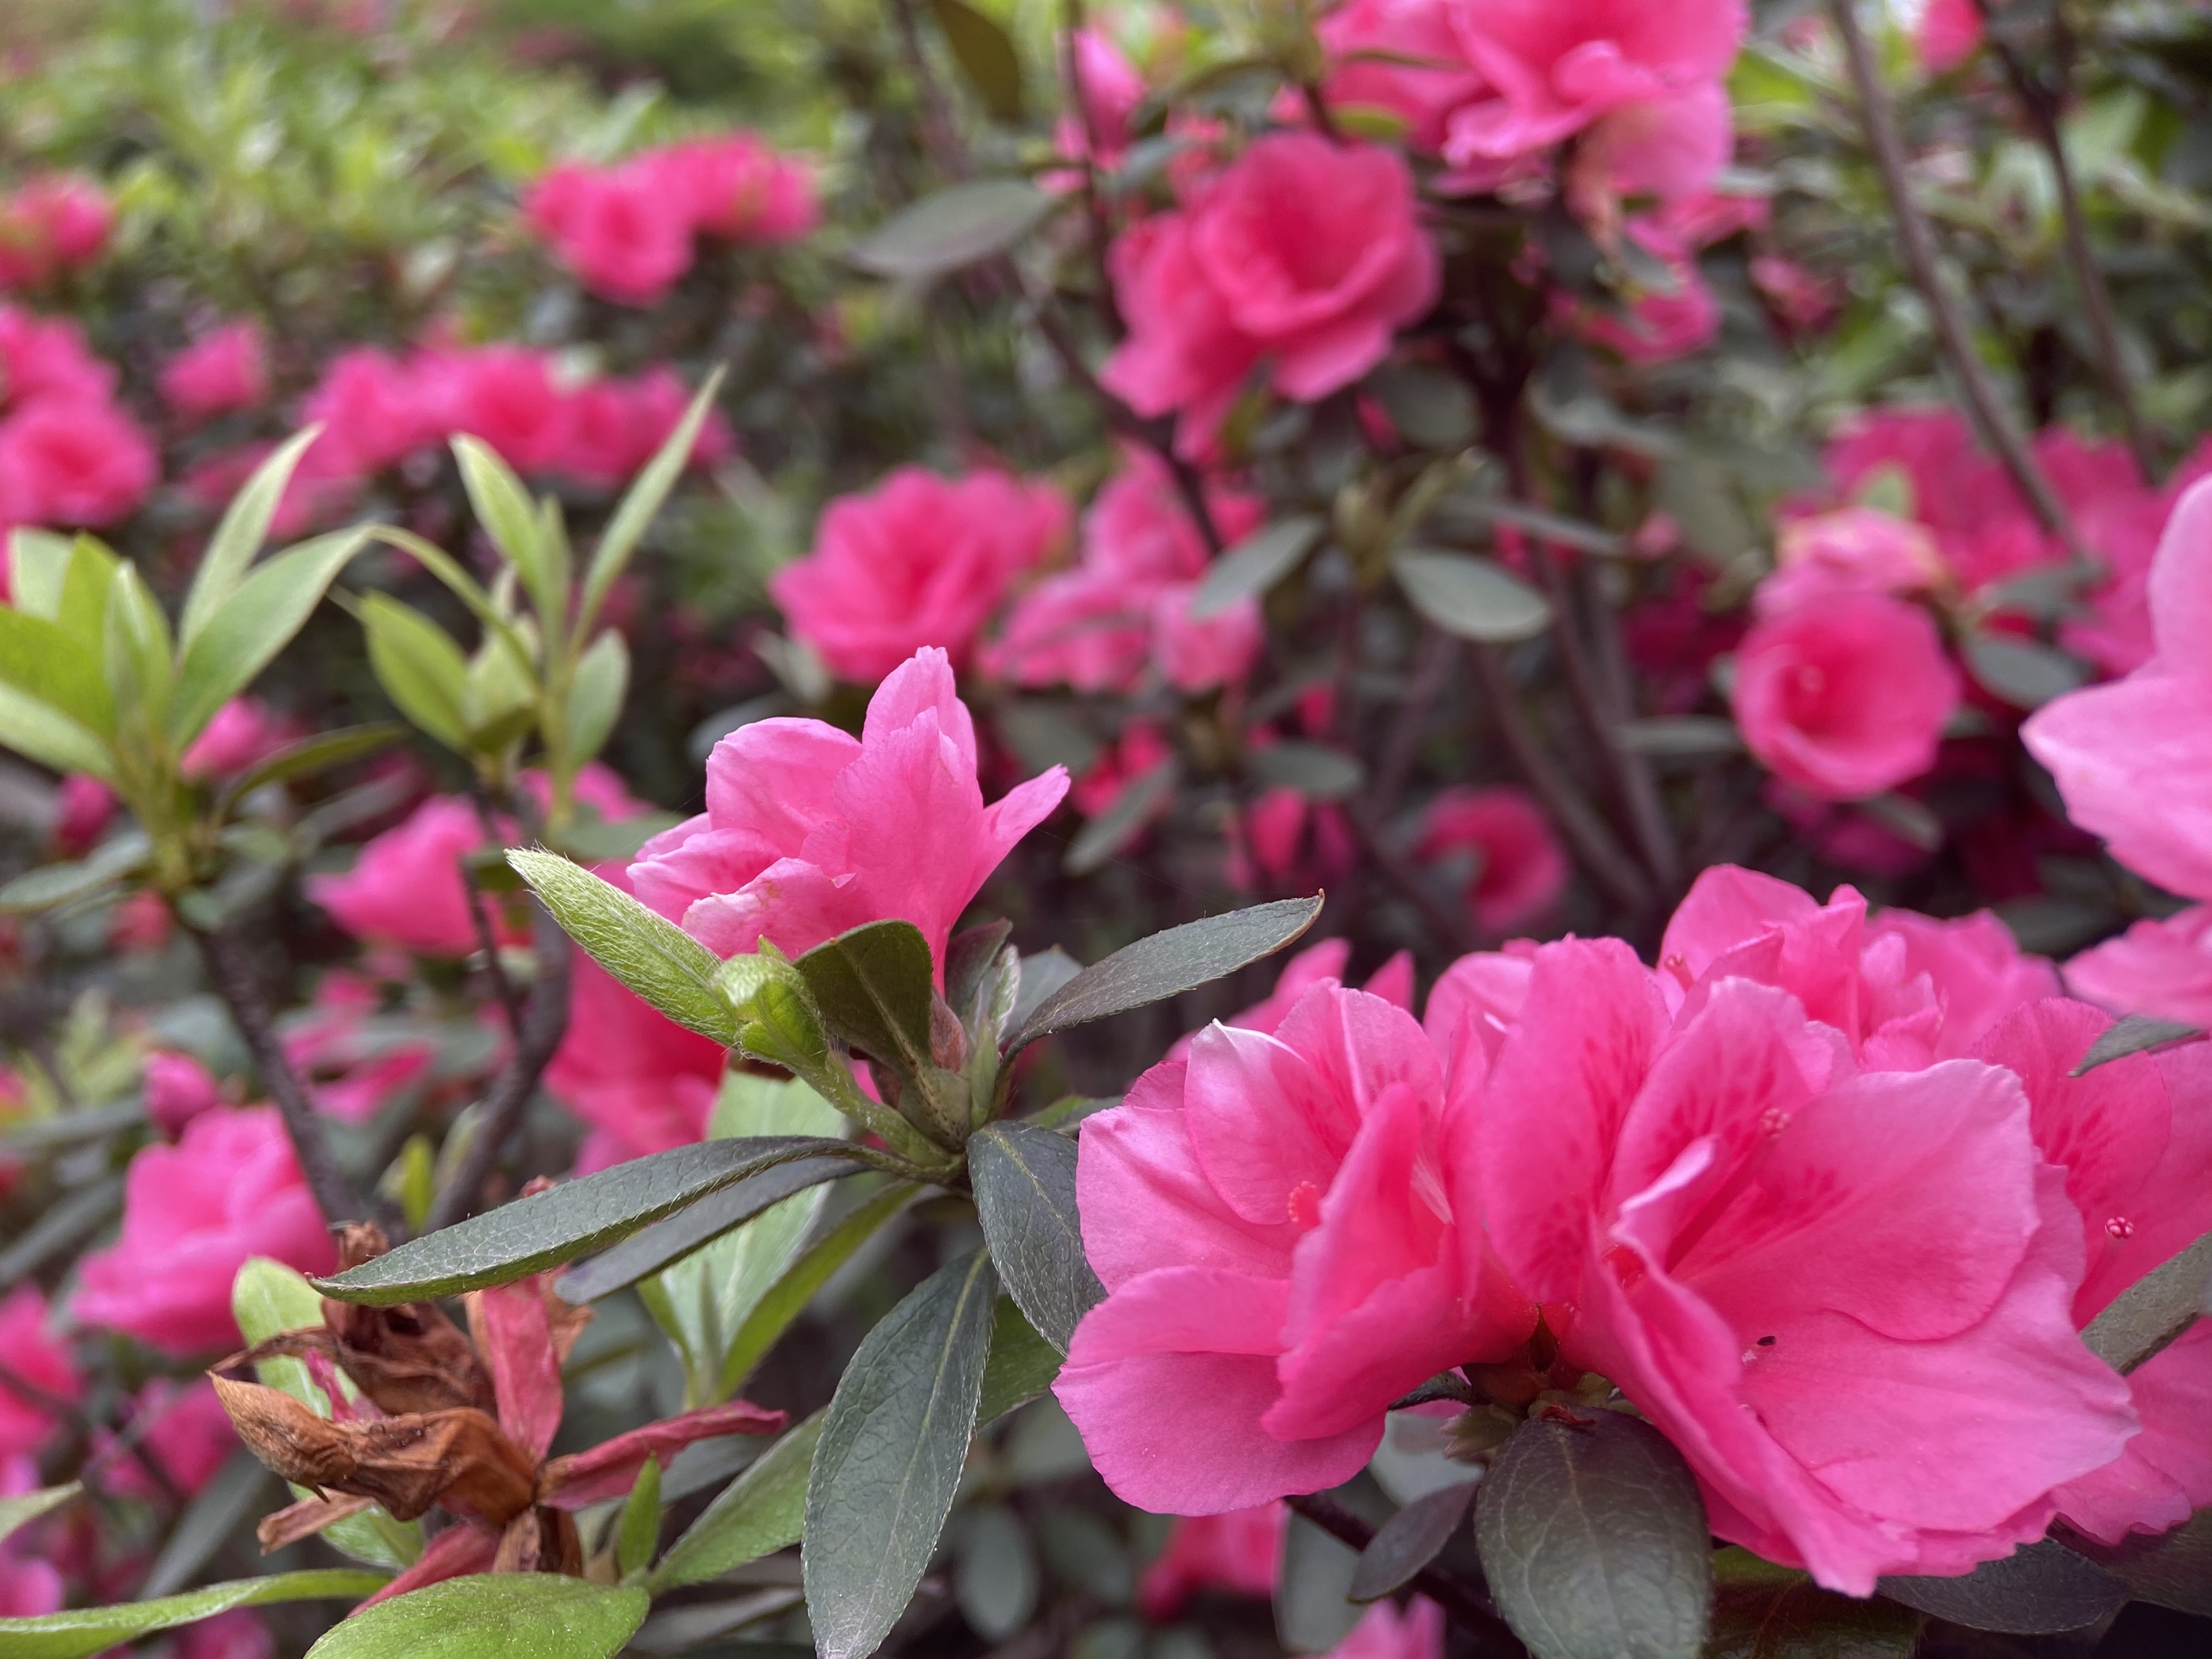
[
  {"x": 1434, "y": 658},
  {"x": 239, "y": 987},
  {"x": 2041, "y": 104},
  {"x": 1444, "y": 920},
  {"x": 1098, "y": 232},
  {"x": 503, "y": 986},
  {"x": 1467, "y": 1606},
  {"x": 937, "y": 133},
  {"x": 1916, "y": 245}
]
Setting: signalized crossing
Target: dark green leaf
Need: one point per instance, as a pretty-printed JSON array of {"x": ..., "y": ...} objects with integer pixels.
[
  {"x": 52, "y": 884},
  {"x": 1594, "y": 1540},
  {"x": 318, "y": 754},
  {"x": 2022, "y": 672},
  {"x": 1550, "y": 526},
  {"x": 758, "y": 1514},
  {"x": 985, "y": 56},
  {"x": 1314, "y": 769},
  {"x": 492, "y": 1615},
  {"x": 26, "y": 1507},
  {"x": 995, "y": 1579},
  {"x": 1169, "y": 964},
  {"x": 1314, "y": 1608},
  {"x": 2170, "y": 1570},
  {"x": 772, "y": 1315},
  {"x": 1765, "y": 1612},
  {"x": 640, "y": 1520},
  {"x": 1409, "y": 1541},
  {"x": 2130, "y": 1034},
  {"x": 2040, "y": 1589},
  {"x": 1043, "y": 972},
  {"x": 1255, "y": 564},
  {"x": 890, "y": 1457},
  {"x": 239, "y": 1491},
  {"x": 1024, "y": 1183},
  {"x": 573, "y": 1219},
  {"x": 1696, "y": 493},
  {"x": 420, "y": 666},
  {"x": 649, "y": 953},
  {"x": 952, "y": 228},
  {"x": 238, "y": 538},
  {"x": 873, "y": 985},
  {"x": 252, "y": 625},
  {"x": 1428, "y": 406},
  {"x": 1104, "y": 837},
  {"x": 1022, "y": 1367},
  {"x": 2153, "y": 1310},
  {"x": 640, "y": 502},
  {"x": 968, "y": 956},
  {"x": 1475, "y": 598},
  {"x": 1680, "y": 734},
  {"x": 93, "y": 1630},
  {"x": 644, "y": 1253}
]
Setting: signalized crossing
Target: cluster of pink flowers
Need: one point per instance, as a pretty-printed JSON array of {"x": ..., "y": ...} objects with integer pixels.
[
  {"x": 69, "y": 455},
  {"x": 1819, "y": 1196},
  {"x": 52, "y": 224},
  {"x": 628, "y": 232},
  {"x": 224, "y": 369}
]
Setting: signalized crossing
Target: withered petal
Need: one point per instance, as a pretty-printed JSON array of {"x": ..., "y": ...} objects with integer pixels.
[
  {"x": 453, "y": 1553},
  {"x": 608, "y": 1469},
  {"x": 305, "y": 1519}
]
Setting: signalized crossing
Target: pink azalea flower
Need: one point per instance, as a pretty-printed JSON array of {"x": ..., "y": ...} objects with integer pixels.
[
  {"x": 238, "y": 1634},
  {"x": 507, "y": 396},
  {"x": 1385, "y": 1632},
  {"x": 29, "y": 1586},
  {"x": 921, "y": 560},
  {"x": 1846, "y": 1295},
  {"x": 808, "y": 833},
  {"x": 76, "y": 463},
  {"x": 83, "y": 808},
  {"x": 244, "y": 733},
  {"x": 736, "y": 186},
  {"x": 52, "y": 224},
  {"x": 371, "y": 411},
  {"x": 1285, "y": 1229},
  {"x": 623, "y": 232},
  {"x": 36, "y": 1355},
  {"x": 2134, "y": 758},
  {"x": 178, "y": 1090},
  {"x": 1853, "y": 549},
  {"x": 353, "y": 1071},
  {"x": 405, "y": 887},
  {"x": 1520, "y": 869},
  {"x": 1847, "y": 699},
  {"x": 1317, "y": 964},
  {"x": 192, "y": 1212},
  {"x": 2163, "y": 968},
  {"x": 224, "y": 370},
  {"x": 1240, "y": 1551},
  {"x": 1424, "y": 93},
  {"x": 43, "y": 357},
  {"x": 1669, "y": 148},
  {"x": 1112, "y": 90},
  {"x": 182, "y": 1430},
  {"x": 1301, "y": 254},
  {"x": 1949, "y": 33}
]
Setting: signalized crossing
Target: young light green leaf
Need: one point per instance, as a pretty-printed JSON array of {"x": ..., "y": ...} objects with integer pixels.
[
  {"x": 46, "y": 664},
  {"x": 492, "y": 1615},
  {"x": 1409, "y": 1541},
  {"x": 1594, "y": 1540},
  {"x": 985, "y": 55},
  {"x": 595, "y": 697},
  {"x": 558, "y": 1225},
  {"x": 774, "y": 1315},
  {"x": 640, "y": 1520},
  {"x": 954, "y": 228},
  {"x": 639, "y": 505},
  {"x": 891, "y": 1456},
  {"x": 420, "y": 666},
  {"x": 2132, "y": 1033},
  {"x": 83, "y": 1631},
  {"x": 1024, "y": 1182},
  {"x": 504, "y": 508},
  {"x": 37, "y": 561},
  {"x": 651, "y": 955},
  {"x": 2139, "y": 1322},
  {"x": 2040, "y": 1589},
  {"x": 239, "y": 536},
  {"x": 1022, "y": 1366},
  {"x": 316, "y": 754},
  {"x": 1167, "y": 964},
  {"x": 760, "y": 1512},
  {"x": 1475, "y": 598},
  {"x": 25, "y": 1507},
  {"x": 40, "y": 731},
  {"x": 873, "y": 984},
  {"x": 252, "y": 625},
  {"x": 135, "y": 652},
  {"x": 1255, "y": 564},
  {"x": 52, "y": 885}
]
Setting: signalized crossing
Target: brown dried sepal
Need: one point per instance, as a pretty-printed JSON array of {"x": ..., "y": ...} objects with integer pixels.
[
  {"x": 410, "y": 1357},
  {"x": 304, "y": 1519},
  {"x": 540, "y": 1539}
]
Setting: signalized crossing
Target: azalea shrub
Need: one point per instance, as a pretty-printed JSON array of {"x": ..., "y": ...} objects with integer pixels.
[{"x": 1378, "y": 828}]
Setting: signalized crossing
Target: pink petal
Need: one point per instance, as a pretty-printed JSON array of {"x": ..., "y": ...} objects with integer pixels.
[
  {"x": 461, "y": 1549},
  {"x": 2134, "y": 761},
  {"x": 515, "y": 1337},
  {"x": 923, "y": 683},
  {"x": 611, "y": 1469},
  {"x": 1268, "y": 1131},
  {"x": 2166, "y": 1472},
  {"x": 2181, "y": 580},
  {"x": 775, "y": 778}
]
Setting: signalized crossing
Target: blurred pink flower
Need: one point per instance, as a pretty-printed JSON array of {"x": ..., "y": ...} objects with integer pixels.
[
  {"x": 1240, "y": 1551},
  {"x": 1948, "y": 34},
  {"x": 352, "y": 1069},
  {"x": 921, "y": 560},
  {"x": 1270, "y": 1290},
  {"x": 43, "y": 357},
  {"x": 73, "y": 463},
  {"x": 1847, "y": 699},
  {"x": 192, "y": 1212},
  {"x": 244, "y": 733},
  {"x": 35, "y": 1355},
  {"x": 736, "y": 186},
  {"x": 238, "y": 1634},
  {"x": 405, "y": 886},
  {"x": 1853, "y": 549},
  {"x": 178, "y": 1090},
  {"x": 182, "y": 1429},
  {"x": 223, "y": 370},
  {"x": 84, "y": 807},
  {"x": 808, "y": 833},
  {"x": 1369, "y": 40},
  {"x": 1386, "y": 1633},
  {"x": 1301, "y": 254},
  {"x": 29, "y": 1585},
  {"x": 2158, "y": 967},
  {"x": 623, "y": 231},
  {"x": 1520, "y": 869},
  {"x": 1656, "y": 324},
  {"x": 53, "y": 224},
  {"x": 1112, "y": 90}
]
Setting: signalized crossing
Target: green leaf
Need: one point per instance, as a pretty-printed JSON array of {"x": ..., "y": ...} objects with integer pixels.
[
  {"x": 252, "y": 625},
  {"x": 774, "y": 1315},
  {"x": 573, "y": 1219},
  {"x": 420, "y": 665},
  {"x": 595, "y": 697},
  {"x": 1255, "y": 564},
  {"x": 25, "y": 1507},
  {"x": 1314, "y": 1609},
  {"x": 1683, "y": 735},
  {"x": 2170, "y": 1570},
  {"x": 1697, "y": 493},
  {"x": 84, "y": 1630},
  {"x": 492, "y": 1615},
  {"x": 505, "y": 510},
  {"x": 651, "y": 955},
  {"x": 1024, "y": 1183},
  {"x": 873, "y": 984},
  {"x": 995, "y": 1578},
  {"x": 640, "y": 1520},
  {"x": 2023, "y": 672},
  {"x": 238, "y": 538},
  {"x": 46, "y": 664},
  {"x": 318, "y": 754},
  {"x": 2132, "y": 1033},
  {"x": 1409, "y": 1541},
  {"x": 639, "y": 503},
  {"x": 37, "y": 564},
  {"x": 135, "y": 656},
  {"x": 1765, "y": 1612},
  {"x": 952, "y": 228},
  {"x": 1313, "y": 769},
  {"x": 1594, "y": 1540},
  {"x": 1022, "y": 1366},
  {"x": 240, "y": 1490},
  {"x": 985, "y": 55},
  {"x": 52, "y": 885},
  {"x": 890, "y": 1457},
  {"x": 2150, "y": 1313},
  {"x": 2040, "y": 1589},
  {"x": 80, "y": 604},
  {"x": 760, "y": 1512},
  {"x": 1103, "y": 839},
  {"x": 1475, "y": 598},
  {"x": 1169, "y": 964},
  {"x": 40, "y": 731}
]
